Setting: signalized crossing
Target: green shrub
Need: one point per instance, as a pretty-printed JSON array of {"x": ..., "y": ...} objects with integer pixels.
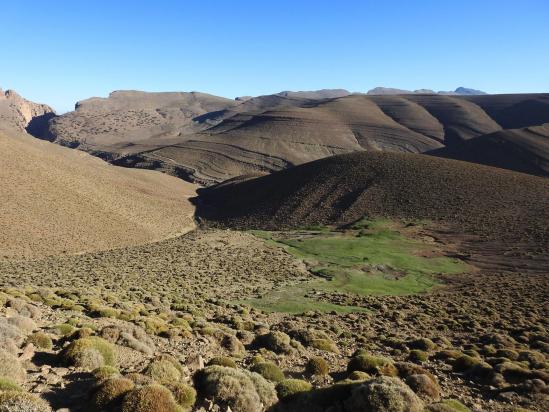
[
  {"x": 155, "y": 325},
  {"x": 40, "y": 340},
  {"x": 423, "y": 344},
  {"x": 257, "y": 359},
  {"x": 165, "y": 369},
  {"x": 507, "y": 353},
  {"x": 222, "y": 361},
  {"x": 290, "y": 387},
  {"x": 180, "y": 322},
  {"x": 233, "y": 345},
  {"x": 447, "y": 405},
  {"x": 241, "y": 390},
  {"x": 63, "y": 329},
  {"x": 424, "y": 386},
  {"x": 105, "y": 372},
  {"x": 137, "y": 340},
  {"x": 325, "y": 345},
  {"x": 23, "y": 323},
  {"x": 11, "y": 368},
  {"x": 276, "y": 341},
  {"x": 384, "y": 394},
  {"x": 471, "y": 352},
  {"x": 359, "y": 376},
  {"x": 14, "y": 401},
  {"x": 317, "y": 366},
  {"x": 418, "y": 356},
  {"x": 150, "y": 398},
  {"x": 489, "y": 350},
  {"x": 139, "y": 379},
  {"x": 185, "y": 395},
  {"x": 269, "y": 371},
  {"x": 407, "y": 369},
  {"x": 105, "y": 312},
  {"x": 110, "y": 393},
  {"x": 534, "y": 358},
  {"x": 110, "y": 333},
  {"x": 82, "y": 333},
  {"x": 8, "y": 331},
  {"x": 372, "y": 364},
  {"x": 90, "y": 353},
  {"x": 465, "y": 363},
  {"x": 448, "y": 354},
  {"x": 513, "y": 373},
  {"x": 8, "y": 384}
]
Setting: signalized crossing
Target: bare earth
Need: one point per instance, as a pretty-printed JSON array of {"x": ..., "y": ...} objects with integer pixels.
[{"x": 57, "y": 200}]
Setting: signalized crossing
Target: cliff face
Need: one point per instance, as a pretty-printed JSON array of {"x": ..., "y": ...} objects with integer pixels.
[{"x": 20, "y": 114}]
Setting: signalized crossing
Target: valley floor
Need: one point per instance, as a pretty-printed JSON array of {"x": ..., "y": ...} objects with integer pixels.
[{"x": 197, "y": 297}]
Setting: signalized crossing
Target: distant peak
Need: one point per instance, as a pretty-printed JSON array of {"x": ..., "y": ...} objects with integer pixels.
[
  {"x": 459, "y": 91},
  {"x": 465, "y": 90},
  {"x": 315, "y": 94}
]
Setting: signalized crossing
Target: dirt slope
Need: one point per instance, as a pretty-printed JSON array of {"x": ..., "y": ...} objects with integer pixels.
[
  {"x": 57, "y": 200},
  {"x": 488, "y": 202}
]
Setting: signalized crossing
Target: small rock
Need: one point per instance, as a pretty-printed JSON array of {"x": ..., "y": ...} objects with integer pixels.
[
  {"x": 195, "y": 362},
  {"x": 28, "y": 353},
  {"x": 40, "y": 388},
  {"x": 60, "y": 371}
]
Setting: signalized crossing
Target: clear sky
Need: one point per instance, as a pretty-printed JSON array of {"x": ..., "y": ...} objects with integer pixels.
[{"x": 59, "y": 52}]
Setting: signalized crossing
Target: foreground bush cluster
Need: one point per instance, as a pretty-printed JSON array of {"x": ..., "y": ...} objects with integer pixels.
[{"x": 131, "y": 356}]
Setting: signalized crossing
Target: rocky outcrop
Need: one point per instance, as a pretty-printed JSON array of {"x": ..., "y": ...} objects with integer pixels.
[{"x": 20, "y": 114}]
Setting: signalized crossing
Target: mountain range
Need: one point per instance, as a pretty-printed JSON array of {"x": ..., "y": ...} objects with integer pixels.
[{"x": 208, "y": 139}]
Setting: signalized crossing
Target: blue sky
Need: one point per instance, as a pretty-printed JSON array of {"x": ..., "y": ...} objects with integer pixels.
[{"x": 59, "y": 52}]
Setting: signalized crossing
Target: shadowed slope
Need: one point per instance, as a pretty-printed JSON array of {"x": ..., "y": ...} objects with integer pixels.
[
  {"x": 513, "y": 111},
  {"x": 488, "y": 202},
  {"x": 524, "y": 150},
  {"x": 57, "y": 200}
]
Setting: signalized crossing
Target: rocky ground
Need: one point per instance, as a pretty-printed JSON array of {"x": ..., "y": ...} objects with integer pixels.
[{"x": 104, "y": 331}]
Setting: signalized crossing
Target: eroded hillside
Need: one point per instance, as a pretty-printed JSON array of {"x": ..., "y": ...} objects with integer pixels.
[{"x": 208, "y": 139}]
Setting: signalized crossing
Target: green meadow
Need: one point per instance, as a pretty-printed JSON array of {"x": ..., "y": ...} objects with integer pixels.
[{"x": 368, "y": 258}]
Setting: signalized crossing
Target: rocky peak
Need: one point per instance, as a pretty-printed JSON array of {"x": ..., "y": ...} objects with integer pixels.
[{"x": 18, "y": 113}]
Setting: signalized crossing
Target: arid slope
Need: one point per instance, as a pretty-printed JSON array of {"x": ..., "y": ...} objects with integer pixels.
[
  {"x": 342, "y": 189},
  {"x": 129, "y": 121},
  {"x": 209, "y": 139},
  {"x": 56, "y": 200}
]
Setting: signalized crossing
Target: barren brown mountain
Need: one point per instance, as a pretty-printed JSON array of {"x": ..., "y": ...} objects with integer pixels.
[
  {"x": 207, "y": 139},
  {"x": 56, "y": 200}
]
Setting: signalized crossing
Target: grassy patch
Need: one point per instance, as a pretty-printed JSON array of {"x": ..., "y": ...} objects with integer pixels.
[{"x": 369, "y": 257}]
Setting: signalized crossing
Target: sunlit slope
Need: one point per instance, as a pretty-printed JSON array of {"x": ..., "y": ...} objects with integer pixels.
[{"x": 57, "y": 200}]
